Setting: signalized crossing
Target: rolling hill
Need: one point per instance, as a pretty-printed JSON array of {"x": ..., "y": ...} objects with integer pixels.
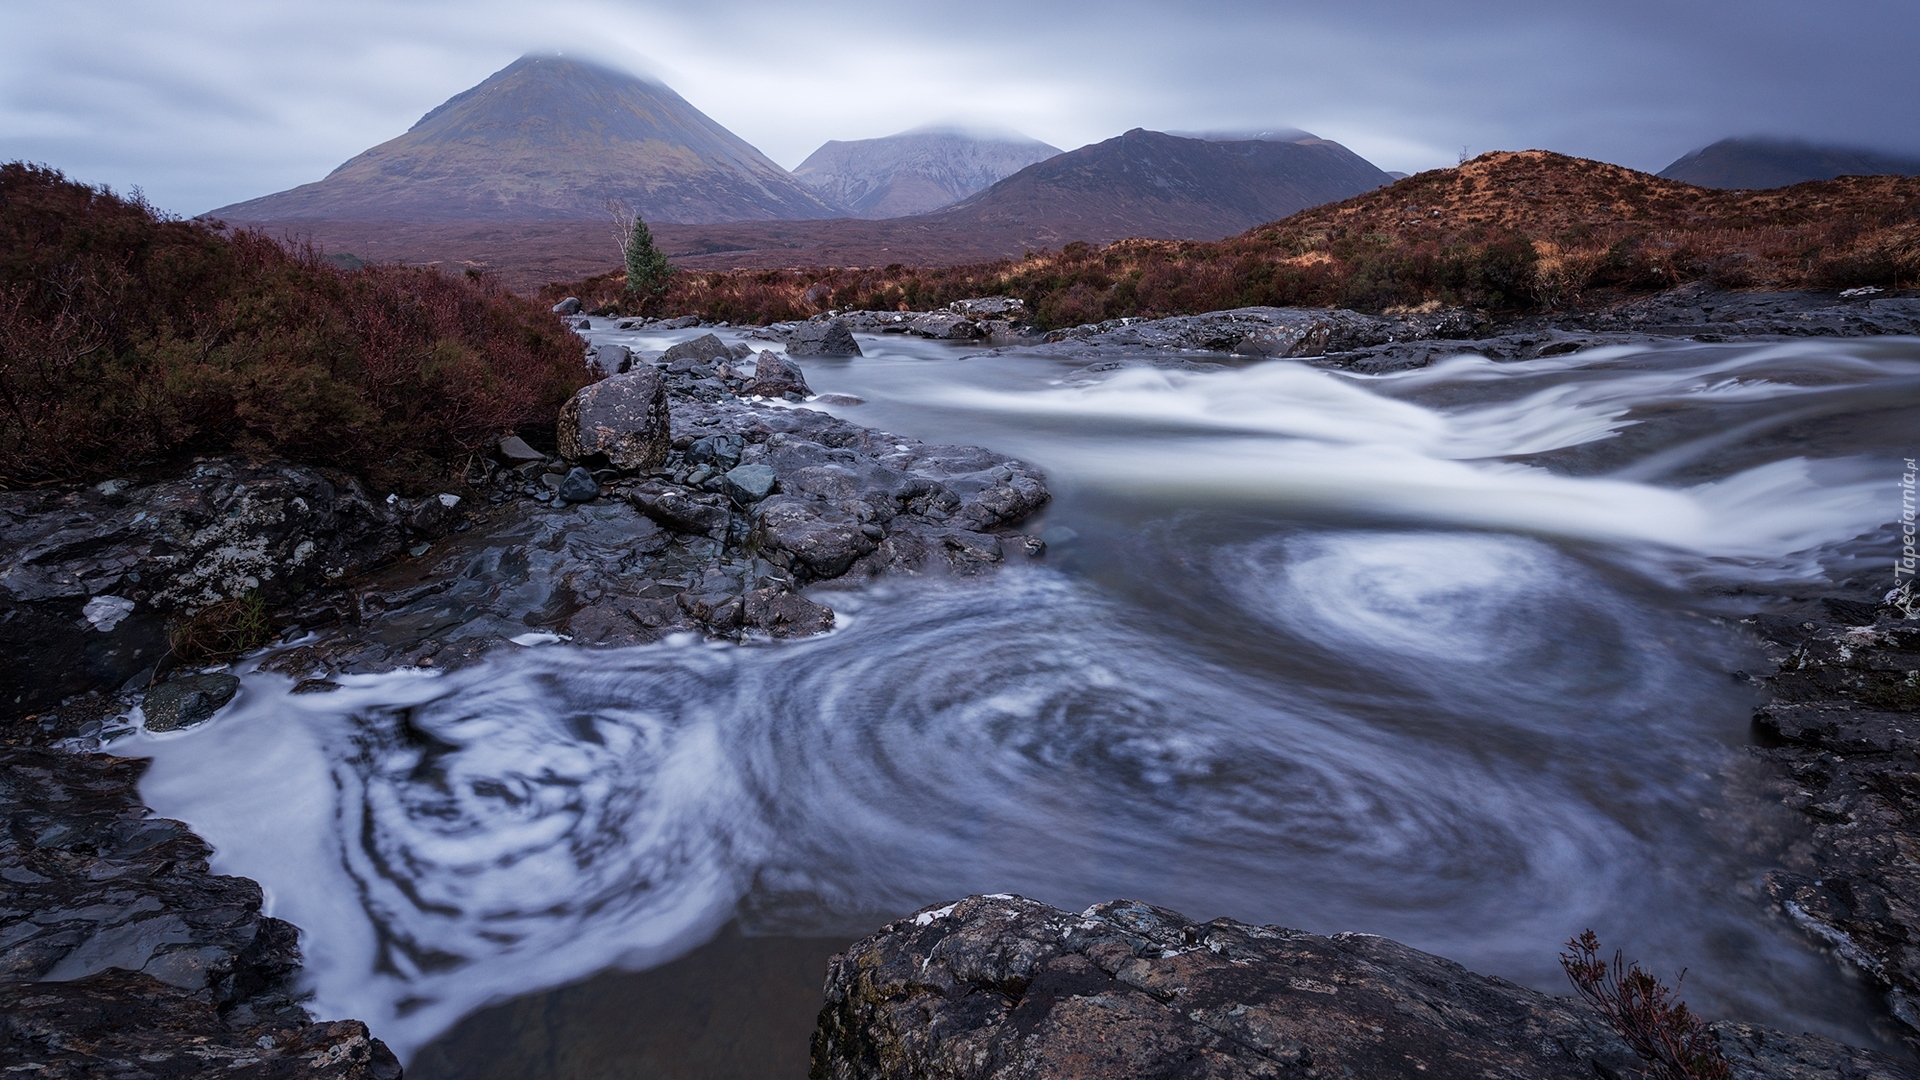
[{"x": 1757, "y": 164}]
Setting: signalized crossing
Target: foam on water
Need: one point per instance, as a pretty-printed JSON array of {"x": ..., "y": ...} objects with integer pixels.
[{"x": 1445, "y": 713}]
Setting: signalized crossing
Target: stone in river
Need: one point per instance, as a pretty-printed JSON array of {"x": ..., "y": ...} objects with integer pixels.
[
  {"x": 774, "y": 376},
  {"x": 579, "y": 486},
  {"x": 704, "y": 348},
  {"x": 185, "y": 702},
  {"x": 826, "y": 338},
  {"x": 622, "y": 419}
]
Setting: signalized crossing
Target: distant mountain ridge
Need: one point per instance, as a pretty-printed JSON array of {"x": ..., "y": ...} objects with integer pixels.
[
  {"x": 1753, "y": 164},
  {"x": 1158, "y": 186},
  {"x": 915, "y": 171},
  {"x": 552, "y": 138}
]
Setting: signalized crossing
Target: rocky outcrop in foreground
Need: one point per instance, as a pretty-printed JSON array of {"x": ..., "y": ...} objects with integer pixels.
[
  {"x": 121, "y": 955},
  {"x": 1844, "y": 727},
  {"x": 1004, "y": 987}
]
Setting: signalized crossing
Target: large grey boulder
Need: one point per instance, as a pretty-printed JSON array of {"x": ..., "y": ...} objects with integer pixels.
[
  {"x": 569, "y": 306},
  {"x": 990, "y": 307},
  {"x": 827, "y": 337},
  {"x": 622, "y": 419},
  {"x": 705, "y": 348},
  {"x": 1001, "y": 987},
  {"x": 774, "y": 376}
]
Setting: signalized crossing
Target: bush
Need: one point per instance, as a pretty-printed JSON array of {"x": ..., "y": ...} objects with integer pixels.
[
  {"x": 1674, "y": 1043},
  {"x": 126, "y": 338}
]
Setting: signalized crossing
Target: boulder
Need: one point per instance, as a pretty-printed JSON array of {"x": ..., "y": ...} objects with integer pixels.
[
  {"x": 944, "y": 326},
  {"x": 705, "y": 349},
  {"x": 721, "y": 450},
  {"x": 578, "y": 486},
  {"x": 1002, "y": 987},
  {"x": 185, "y": 702},
  {"x": 621, "y": 419},
  {"x": 826, "y": 337},
  {"x": 569, "y": 306},
  {"x": 775, "y": 376},
  {"x": 990, "y": 307},
  {"x": 785, "y": 614},
  {"x": 612, "y": 359},
  {"x": 748, "y": 484}
]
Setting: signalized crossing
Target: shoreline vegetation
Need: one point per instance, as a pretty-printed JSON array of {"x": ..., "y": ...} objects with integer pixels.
[
  {"x": 1512, "y": 232},
  {"x": 127, "y": 337}
]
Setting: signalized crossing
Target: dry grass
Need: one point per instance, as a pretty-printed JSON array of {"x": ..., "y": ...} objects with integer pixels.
[
  {"x": 1523, "y": 231},
  {"x": 1674, "y": 1043}
]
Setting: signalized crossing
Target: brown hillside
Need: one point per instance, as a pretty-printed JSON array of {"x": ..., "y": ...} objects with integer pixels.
[{"x": 1508, "y": 231}]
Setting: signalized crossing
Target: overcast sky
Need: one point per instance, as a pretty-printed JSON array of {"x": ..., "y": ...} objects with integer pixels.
[{"x": 206, "y": 103}]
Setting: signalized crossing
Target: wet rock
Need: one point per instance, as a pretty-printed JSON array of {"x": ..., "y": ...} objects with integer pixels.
[
  {"x": 130, "y": 1025},
  {"x": 1004, "y": 987},
  {"x": 825, "y": 337},
  {"x": 721, "y": 450},
  {"x": 774, "y": 376},
  {"x": 613, "y": 358},
  {"x": 434, "y": 517},
  {"x": 1845, "y": 721},
  {"x": 225, "y": 529},
  {"x": 187, "y": 701},
  {"x": 681, "y": 322},
  {"x": 682, "y": 510},
  {"x": 786, "y": 614},
  {"x": 569, "y": 306},
  {"x": 704, "y": 349},
  {"x": 748, "y": 484},
  {"x": 1268, "y": 331},
  {"x": 120, "y": 955},
  {"x": 514, "y": 450},
  {"x": 944, "y": 326},
  {"x": 578, "y": 486},
  {"x": 990, "y": 307},
  {"x": 621, "y": 420}
]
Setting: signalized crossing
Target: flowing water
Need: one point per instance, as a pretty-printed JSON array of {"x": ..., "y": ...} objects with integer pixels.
[{"x": 1446, "y": 656}]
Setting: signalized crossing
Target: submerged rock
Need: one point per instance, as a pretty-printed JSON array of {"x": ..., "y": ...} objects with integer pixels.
[
  {"x": 187, "y": 701},
  {"x": 1005, "y": 987},
  {"x": 621, "y": 419}
]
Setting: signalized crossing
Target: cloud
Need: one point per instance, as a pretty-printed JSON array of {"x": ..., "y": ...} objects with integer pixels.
[{"x": 224, "y": 100}]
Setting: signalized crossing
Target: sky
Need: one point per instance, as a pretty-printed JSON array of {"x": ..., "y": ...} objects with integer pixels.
[{"x": 206, "y": 103}]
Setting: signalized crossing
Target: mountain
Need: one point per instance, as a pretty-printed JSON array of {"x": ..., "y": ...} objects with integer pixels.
[
  {"x": 1154, "y": 185},
  {"x": 1753, "y": 164},
  {"x": 551, "y": 138},
  {"x": 915, "y": 171}
]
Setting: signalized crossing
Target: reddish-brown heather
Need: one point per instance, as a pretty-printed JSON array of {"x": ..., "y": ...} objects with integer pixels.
[
  {"x": 1512, "y": 231},
  {"x": 128, "y": 338}
]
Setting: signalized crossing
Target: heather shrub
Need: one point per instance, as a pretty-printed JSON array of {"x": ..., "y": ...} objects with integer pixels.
[{"x": 127, "y": 338}]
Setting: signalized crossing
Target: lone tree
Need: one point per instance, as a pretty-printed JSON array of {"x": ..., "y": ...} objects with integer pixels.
[{"x": 648, "y": 271}]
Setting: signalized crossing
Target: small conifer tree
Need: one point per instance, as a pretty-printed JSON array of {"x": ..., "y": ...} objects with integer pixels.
[{"x": 648, "y": 271}]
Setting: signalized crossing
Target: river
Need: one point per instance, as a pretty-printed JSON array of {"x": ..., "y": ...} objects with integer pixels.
[{"x": 1450, "y": 656}]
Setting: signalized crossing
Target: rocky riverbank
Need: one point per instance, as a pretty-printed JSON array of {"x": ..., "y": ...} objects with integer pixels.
[
  {"x": 686, "y": 493},
  {"x": 1844, "y": 729},
  {"x": 1001, "y": 986}
]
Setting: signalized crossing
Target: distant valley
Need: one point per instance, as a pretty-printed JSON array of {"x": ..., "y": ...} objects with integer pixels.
[{"x": 915, "y": 171}]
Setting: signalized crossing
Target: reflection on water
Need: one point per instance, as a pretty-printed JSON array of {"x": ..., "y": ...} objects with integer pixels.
[{"x": 1413, "y": 656}]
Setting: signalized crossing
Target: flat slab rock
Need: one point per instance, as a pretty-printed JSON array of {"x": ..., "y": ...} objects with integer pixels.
[
  {"x": 121, "y": 955},
  {"x": 1845, "y": 727},
  {"x": 1003, "y": 987}
]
